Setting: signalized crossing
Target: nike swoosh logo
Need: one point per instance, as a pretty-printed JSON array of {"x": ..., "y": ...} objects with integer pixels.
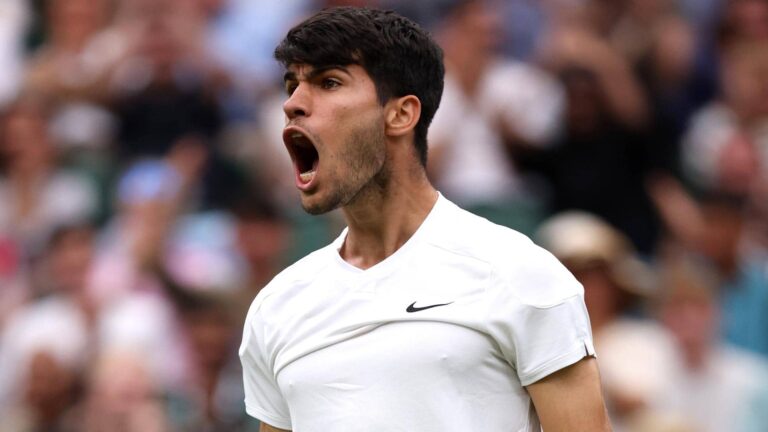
[{"x": 412, "y": 308}]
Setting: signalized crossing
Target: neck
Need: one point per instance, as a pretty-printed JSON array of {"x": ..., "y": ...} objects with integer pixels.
[{"x": 382, "y": 220}]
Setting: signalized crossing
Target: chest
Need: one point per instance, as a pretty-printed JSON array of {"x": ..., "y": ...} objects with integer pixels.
[
  {"x": 402, "y": 354},
  {"x": 334, "y": 310}
]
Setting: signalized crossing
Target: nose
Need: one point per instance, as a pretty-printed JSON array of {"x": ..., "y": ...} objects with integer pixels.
[{"x": 298, "y": 103}]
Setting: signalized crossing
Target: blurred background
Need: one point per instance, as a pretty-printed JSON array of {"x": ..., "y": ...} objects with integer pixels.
[{"x": 146, "y": 197}]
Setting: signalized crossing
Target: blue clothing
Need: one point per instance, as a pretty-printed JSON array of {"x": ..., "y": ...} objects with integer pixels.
[{"x": 744, "y": 304}]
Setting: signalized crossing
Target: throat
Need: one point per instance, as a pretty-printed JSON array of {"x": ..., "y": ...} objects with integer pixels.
[
  {"x": 365, "y": 250},
  {"x": 361, "y": 262},
  {"x": 377, "y": 232}
]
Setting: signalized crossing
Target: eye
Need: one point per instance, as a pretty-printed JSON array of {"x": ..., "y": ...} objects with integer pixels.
[
  {"x": 290, "y": 87},
  {"x": 330, "y": 83}
]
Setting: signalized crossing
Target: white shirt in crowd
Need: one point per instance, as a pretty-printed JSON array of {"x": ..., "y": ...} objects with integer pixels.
[
  {"x": 474, "y": 167},
  {"x": 14, "y": 19}
]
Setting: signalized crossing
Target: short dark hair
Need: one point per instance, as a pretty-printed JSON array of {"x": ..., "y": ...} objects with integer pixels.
[{"x": 400, "y": 57}]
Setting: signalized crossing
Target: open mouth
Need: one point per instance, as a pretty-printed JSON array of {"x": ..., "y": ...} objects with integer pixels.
[{"x": 303, "y": 153}]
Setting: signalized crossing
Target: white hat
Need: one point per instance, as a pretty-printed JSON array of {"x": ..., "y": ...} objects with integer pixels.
[{"x": 581, "y": 239}]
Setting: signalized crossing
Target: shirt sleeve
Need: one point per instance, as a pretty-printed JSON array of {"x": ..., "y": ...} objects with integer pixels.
[
  {"x": 539, "y": 318},
  {"x": 263, "y": 399}
]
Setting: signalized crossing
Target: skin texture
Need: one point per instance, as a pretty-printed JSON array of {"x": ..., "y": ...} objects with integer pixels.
[
  {"x": 267, "y": 428},
  {"x": 347, "y": 131},
  {"x": 379, "y": 184},
  {"x": 571, "y": 399},
  {"x": 368, "y": 166}
]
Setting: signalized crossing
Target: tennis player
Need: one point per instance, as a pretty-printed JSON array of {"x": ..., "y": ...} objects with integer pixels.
[{"x": 420, "y": 316}]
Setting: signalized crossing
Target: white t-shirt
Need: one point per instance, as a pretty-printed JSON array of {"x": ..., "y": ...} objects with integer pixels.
[{"x": 442, "y": 335}]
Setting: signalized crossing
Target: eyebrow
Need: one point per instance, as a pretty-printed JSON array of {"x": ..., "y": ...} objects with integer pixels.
[{"x": 291, "y": 75}]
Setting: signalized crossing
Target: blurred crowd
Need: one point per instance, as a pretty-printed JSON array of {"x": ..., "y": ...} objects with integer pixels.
[{"x": 146, "y": 197}]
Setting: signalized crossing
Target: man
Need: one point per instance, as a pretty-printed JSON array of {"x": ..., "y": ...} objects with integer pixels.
[
  {"x": 420, "y": 316},
  {"x": 506, "y": 108}
]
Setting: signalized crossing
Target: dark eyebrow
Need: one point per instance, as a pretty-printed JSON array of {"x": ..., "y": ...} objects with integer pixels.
[{"x": 291, "y": 76}]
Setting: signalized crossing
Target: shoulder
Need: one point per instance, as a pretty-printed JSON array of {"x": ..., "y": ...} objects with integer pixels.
[
  {"x": 288, "y": 282},
  {"x": 468, "y": 234},
  {"x": 519, "y": 267}
]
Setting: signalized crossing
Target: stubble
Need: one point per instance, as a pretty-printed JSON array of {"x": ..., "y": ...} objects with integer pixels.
[{"x": 361, "y": 172}]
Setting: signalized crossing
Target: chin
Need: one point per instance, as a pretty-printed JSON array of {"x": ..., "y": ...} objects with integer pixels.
[
  {"x": 314, "y": 209},
  {"x": 317, "y": 206}
]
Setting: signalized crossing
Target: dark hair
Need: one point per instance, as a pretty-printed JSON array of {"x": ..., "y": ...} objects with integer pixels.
[
  {"x": 400, "y": 57},
  {"x": 255, "y": 205}
]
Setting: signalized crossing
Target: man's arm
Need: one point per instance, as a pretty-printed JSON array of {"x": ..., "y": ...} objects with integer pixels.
[
  {"x": 267, "y": 428},
  {"x": 571, "y": 399}
]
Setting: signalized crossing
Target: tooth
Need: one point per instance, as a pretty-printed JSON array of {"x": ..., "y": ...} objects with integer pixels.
[{"x": 306, "y": 177}]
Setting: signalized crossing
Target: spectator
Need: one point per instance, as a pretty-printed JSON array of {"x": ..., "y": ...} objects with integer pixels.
[
  {"x": 263, "y": 238},
  {"x": 139, "y": 316},
  {"x": 717, "y": 229},
  {"x": 154, "y": 252},
  {"x": 121, "y": 396},
  {"x": 65, "y": 67},
  {"x": 167, "y": 98},
  {"x": 676, "y": 74},
  {"x": 49, "y": 388},
  {"x": 60, "y": 296},
  {"x": 492, "y": 109},
  {"x": 599, "y": 165},
  {"x": 714, "y": 386},
  {"x": 161, "y": 91},
  {"x": 44, "y": 351},
  {"x": 726, "y": 146},
  {"x": 634, "y": 351},
  {"x": 14, "y": 18},
  {"x": 36, "y": 195},
  {"x": 71, "y": 69},
  {"x": 745, "y": 20},
  {"x": 574, "y": 44},
  {"x": 212, "y": 398}
]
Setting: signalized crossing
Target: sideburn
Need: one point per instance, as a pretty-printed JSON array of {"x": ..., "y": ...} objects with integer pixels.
[{"x": 367, "y": 159}]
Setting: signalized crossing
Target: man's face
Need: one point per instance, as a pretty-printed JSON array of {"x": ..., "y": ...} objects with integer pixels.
[{"x": 335, "y": 135}]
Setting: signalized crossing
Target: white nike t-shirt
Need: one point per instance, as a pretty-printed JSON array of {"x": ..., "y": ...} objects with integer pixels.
[{"x": 441, "y": 336}]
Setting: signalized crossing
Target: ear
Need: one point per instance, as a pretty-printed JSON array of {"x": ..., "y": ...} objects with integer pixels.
[{"x": 401, "y": 115}]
